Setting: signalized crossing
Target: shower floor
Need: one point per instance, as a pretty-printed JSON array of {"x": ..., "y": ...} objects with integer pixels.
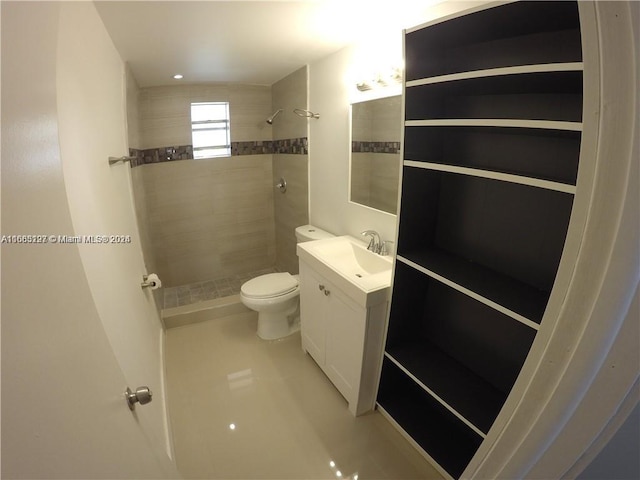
[{"x": 208, "y": 290}]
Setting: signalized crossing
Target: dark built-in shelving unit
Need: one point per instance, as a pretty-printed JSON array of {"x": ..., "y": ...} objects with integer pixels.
[{"x": 492, "y": 133}]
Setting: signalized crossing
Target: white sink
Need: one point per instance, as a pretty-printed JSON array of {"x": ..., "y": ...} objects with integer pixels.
[
  {"x": 347, "y": 262},
  {"x": 350, "y": 257}
]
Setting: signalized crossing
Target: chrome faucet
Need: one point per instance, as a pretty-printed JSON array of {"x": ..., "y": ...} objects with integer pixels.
[
  {"x": 384, "y": 249},
  {"x": 374, "y": 244}
]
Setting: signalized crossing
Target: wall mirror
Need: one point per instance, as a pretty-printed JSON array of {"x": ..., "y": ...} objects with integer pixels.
[{"x": 376, "y": 132}]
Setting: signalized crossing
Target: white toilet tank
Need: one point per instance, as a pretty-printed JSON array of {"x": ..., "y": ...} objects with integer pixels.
[{"x": 306, "y": 233}]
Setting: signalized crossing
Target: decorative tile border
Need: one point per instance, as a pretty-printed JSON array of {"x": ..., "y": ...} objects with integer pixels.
[
  {"x": 296, "y": 146},
  {"x": 158, "y": 155},
  {"x": 375, "y": 147},
  {"x": 251, "y": 148}
]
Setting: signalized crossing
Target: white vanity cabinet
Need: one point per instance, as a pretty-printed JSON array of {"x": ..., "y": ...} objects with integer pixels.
[{"x": 342, "y": 336}]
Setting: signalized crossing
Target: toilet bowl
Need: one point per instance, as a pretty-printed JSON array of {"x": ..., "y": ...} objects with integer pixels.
[{"x": 276, "y": 296}]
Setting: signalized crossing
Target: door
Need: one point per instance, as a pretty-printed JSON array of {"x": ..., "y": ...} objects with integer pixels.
[
  {"x": 63, "y": 409},
  {"x": 92, "y": 127}
]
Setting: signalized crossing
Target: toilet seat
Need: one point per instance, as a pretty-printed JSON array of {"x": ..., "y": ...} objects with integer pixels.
[{"x": 270, "y": 285}]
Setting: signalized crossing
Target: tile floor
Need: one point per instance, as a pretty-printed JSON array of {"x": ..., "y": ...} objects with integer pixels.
[
  {"x": 209, "y": 290},
  {"x": 245, "y": 408}
]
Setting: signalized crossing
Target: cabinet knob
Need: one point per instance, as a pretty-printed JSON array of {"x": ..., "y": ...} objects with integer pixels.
[{"x": 322, "y": 289}]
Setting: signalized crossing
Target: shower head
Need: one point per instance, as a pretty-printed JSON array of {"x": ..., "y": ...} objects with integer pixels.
[
  {"x": 305, "y": 113},
  {"x": 270, "y": 119}
]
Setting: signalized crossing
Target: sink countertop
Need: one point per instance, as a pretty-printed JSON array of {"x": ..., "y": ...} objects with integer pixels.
[{"x": 345, "y": 261}]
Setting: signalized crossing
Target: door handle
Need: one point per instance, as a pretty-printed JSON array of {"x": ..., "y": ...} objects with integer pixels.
[{"x": 142, "y": 395}]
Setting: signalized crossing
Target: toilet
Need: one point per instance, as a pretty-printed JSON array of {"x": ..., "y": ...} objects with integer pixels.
[{"x": 275, "y": 296}]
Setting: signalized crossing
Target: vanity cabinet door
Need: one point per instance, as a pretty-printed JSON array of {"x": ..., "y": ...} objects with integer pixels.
[
  {"x": 312, "y": 307},
  {"x": 344, "y": 343},
  {"x": 333, "y": 332}
]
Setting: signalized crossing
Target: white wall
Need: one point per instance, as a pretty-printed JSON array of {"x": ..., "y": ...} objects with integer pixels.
[
  {"x": 330, "y": 94},
  {"x": 92, "y": 126},
  {"x": 63, "y": 412},
  {"x": 133, "y": 109}
]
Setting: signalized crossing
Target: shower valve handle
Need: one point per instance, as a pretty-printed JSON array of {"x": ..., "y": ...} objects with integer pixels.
[{"x": 282, "y": 185}]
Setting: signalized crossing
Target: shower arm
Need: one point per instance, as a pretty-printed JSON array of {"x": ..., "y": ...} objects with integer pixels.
[{"x": 270, "y": 119}]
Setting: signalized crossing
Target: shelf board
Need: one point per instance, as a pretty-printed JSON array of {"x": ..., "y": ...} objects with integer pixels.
[
  {"x": 441, "y": 470},
  {"x": 519, "y": 33},
  {"x": 496, "y": 122},
  {"x": 507, "y": 295},
  {"x": 440, "y": 434},
  {"x": 496, "y": 72},
  {"x": 471, "y": 398},
  {"x": 493, "y": 175},
  {"x": 551, "y": 155}
]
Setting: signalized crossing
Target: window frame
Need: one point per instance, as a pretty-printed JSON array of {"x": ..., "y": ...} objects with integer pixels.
[{"x": 216, "y": 124}]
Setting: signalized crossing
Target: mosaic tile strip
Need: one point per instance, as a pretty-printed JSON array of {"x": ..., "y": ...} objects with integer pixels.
[
  {"x": 251, "y": 148},
  {"x": 134, "y": 152},
  {"x": 158, "y": 155},
  {"x": 296, "y": 146},
  {"x": 375, "y": 147}
]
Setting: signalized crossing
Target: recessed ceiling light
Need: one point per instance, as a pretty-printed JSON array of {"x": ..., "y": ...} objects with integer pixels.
[{"x": 177, "y": 76}]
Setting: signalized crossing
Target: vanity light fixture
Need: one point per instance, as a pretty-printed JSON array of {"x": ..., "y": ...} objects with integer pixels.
[
  {"x": 394, "y": 77},
  {"x": 178, "y": 76}
]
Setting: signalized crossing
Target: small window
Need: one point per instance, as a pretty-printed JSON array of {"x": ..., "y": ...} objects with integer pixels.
[{"x": 210, "y": 129}]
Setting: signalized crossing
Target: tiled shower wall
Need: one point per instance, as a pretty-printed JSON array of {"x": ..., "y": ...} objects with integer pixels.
[
  {"x": 291, "y": 207},
  {"x": 211, "y": 218},
  {"x": 139, "y": 197}
]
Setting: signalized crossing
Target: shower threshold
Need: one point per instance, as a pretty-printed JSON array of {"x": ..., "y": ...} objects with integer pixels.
[
  {"x": 201, "y": 301},
  {"x": 208, "y": 290}
]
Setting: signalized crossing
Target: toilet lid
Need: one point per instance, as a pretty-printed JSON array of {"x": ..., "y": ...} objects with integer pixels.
[{"x": 269, "y": 285}]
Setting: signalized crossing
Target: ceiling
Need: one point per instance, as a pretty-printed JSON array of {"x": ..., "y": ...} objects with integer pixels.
[{"x": 255, "y": 42}]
